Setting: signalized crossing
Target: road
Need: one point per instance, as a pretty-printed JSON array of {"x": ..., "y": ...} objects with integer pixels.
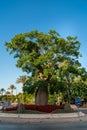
[
  {"x": 84, "y": 110},
  {"x": 80, "y": 125}
]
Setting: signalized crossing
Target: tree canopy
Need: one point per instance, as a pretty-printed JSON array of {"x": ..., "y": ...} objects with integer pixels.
[{"x": 42, "y": 54}]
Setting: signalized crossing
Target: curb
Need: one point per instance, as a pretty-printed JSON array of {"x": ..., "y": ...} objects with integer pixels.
[{"x": 43, "y": 116}]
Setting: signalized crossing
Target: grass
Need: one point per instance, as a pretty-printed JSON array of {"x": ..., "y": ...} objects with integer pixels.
[
  {"x": 63, "y": 111},
  {"x": 25, "y": 112}
]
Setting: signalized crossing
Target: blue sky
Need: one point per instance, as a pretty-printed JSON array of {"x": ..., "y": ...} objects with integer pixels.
[{"x": 68, "y": 17}]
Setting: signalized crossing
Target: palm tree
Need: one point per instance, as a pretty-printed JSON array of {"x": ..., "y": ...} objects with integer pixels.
[
  {"x": 2, "y": 90},
  {"x": 7, "y": 93},
  {"x": 22, "y": 79},
  {"x": 12, "y": 87}
]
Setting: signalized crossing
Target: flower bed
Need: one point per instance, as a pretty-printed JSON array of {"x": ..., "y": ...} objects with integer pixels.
[
  {"x": 11, "y": 108},
  {"x": 46, "y": 108}
]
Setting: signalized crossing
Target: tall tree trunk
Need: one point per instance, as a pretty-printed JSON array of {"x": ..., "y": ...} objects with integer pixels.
[
  {"x": 41, "y": 96},
  {"x": 68, "y": 89},
  {"x": 23, "y": 93}
]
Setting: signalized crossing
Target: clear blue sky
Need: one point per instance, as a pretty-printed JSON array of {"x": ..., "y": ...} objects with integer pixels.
[{"x": 68, "y": 17}]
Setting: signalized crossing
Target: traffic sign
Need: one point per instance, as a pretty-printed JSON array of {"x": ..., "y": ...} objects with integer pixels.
[{"x": 78, "y": 101}]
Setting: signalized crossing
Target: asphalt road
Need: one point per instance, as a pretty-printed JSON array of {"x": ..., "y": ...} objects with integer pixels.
[
  {"x": 84, "y": 110},
  {"x": 40, "y": 126}
]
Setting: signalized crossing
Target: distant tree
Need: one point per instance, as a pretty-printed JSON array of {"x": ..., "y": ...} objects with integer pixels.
[
  {"x": 2, "y": 90},
  {"x": 7, "y": 93},
  {"x": 22, "y": 79},
  {"x": 12, "y": 87}
]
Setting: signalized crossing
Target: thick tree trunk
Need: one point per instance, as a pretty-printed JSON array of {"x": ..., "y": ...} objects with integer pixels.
[{"x": 41, "y": 96}]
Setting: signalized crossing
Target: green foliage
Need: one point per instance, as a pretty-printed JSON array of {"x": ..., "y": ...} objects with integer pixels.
[
  {"x": 38, "y": 51},
  {"x": 29, "y": 98},
  {"x": 31, "y": 88},
  {"x": 49, "y": 60}
]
